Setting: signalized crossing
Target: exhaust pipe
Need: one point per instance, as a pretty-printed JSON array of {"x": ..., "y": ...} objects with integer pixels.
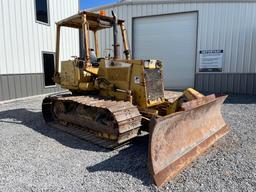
[{"x": 115, "y": 33}]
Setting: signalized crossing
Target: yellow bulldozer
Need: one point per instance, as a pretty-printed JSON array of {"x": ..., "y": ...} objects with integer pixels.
[{"x": 115, "y": 99}]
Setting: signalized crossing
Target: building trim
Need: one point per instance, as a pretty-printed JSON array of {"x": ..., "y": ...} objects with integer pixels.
[
  {"x": 32, "y": 97},
  {"x": 14, "y": 74},
  {"x": 233, "y": 73},
  {"x": 48, "y": 52},
  {"x": 142, "y": 2},
  {"x": 48, "y": 14},
  {"x": 24, "y": 85},
  {"x": 225, "y": 73}
]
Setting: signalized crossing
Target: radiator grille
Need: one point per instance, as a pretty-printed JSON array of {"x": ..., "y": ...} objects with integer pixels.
[{"x": 154, "y": 84}]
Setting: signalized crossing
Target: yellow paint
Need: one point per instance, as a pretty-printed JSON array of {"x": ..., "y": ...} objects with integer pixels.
[
  {"x": 92, "y": 70},
  {"x": 192, "y": 94},
  {"x": 70, "y": 74},
  {"x": 119, "y": 80},
  {"x": 86, "y": 86},
  {"x": 172, "y": 108}
]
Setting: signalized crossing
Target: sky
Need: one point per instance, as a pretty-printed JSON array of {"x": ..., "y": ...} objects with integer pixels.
[{"x": 85, "y": 4}]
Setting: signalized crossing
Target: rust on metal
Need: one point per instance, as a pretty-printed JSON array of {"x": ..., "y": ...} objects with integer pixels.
[
  {"x": 113, "y": 121},
  {"x": 154, "y": 84},
  {"x": 177, "y": 139},
  {"x": 172, "y": 96},
  {"x": 197, "y": 102}
]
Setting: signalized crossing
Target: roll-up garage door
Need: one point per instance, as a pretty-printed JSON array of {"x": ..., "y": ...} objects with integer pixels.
[{"x": 172, "y": 39}]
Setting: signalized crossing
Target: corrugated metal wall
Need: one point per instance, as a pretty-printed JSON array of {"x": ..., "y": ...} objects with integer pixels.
[
  {"x": 228, "y": 26},
  {"x": 226, "y": 83},
  {"x": 22, "y": 39},
  {"x": 23, "y": 85}
]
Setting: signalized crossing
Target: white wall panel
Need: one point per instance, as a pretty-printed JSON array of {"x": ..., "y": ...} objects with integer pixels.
[
  {"x": 22, "y": 39},
  {"x": 2, "y": 40},
  {"x": 174, "y": 42},
  {"x": 230, "y": 26}
]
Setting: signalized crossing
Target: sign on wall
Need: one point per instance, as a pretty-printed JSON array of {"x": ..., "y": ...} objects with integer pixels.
[{"x": 211, "y": 60}]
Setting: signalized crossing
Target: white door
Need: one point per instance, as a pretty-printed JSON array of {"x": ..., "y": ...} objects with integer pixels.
[{"x": 171, "y": 39}]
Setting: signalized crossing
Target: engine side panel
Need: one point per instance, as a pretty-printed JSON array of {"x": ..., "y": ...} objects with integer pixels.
[{"x": 144, "y": 82}]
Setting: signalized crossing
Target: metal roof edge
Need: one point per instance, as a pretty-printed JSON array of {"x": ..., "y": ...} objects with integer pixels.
[
  {"x": 120, "y": 3},
  {"x": 106, "y": 6}
]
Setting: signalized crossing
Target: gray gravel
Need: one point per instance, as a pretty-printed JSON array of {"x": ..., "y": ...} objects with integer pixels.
[{"x": 35, "y": 157}]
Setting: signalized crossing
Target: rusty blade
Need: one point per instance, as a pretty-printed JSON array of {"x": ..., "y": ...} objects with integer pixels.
[
  {"x": 197, "y": 102},
  {"x": 177, "y": 139}
]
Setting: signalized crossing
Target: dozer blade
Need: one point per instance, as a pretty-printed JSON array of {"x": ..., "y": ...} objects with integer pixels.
[{"x": 178, "y": 139}]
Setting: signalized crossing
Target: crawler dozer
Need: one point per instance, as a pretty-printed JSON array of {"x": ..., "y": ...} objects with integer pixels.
[{"x": 115, "y": 99}]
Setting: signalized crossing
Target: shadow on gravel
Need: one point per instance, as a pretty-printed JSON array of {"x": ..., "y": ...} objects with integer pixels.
[
  {"x": 35, "y": 121},
  {"x": 239, "y": 99},
  {"x": 235, "y": 98},
  {"x": 131, "y": 159}
]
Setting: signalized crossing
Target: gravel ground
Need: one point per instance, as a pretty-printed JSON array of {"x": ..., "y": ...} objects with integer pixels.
[{"x": 35, "y": 157}]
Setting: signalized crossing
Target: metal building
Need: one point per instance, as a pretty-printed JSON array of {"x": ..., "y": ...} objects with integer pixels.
[
  {"x": 27, "y": 45},
  {"x": 206, "y": 44}
]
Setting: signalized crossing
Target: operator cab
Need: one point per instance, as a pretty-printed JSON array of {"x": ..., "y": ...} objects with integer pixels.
[{"x": 91, "y": 23}]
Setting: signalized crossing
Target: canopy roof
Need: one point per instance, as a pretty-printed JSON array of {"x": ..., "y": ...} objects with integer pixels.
[{"x": 96, "y": 21}]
